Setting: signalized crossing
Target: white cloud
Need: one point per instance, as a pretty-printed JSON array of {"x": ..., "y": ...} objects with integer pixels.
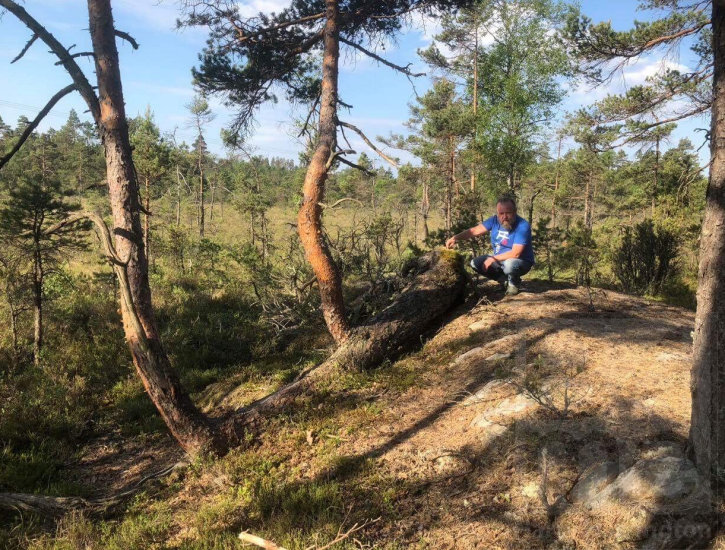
[
  {"x": 639, "y": 72},
  {"x": 251, "y": 8},
  {"x": 635, "y": 74}
]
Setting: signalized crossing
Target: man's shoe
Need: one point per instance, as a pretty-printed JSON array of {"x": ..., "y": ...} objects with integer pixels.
[{"x": 512, "y": 290}]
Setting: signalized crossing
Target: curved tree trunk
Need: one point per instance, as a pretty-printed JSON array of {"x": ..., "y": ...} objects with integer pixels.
[
  {"x": 309, "y": 219},
  {"x": 186, "y": 423},
  {"x": 707, "y": 431}
]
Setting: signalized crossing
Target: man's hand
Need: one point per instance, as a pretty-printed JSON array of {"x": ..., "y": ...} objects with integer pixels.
[
  {"x": 450, "y": 243},
  {"x": 489, "y": 262}
]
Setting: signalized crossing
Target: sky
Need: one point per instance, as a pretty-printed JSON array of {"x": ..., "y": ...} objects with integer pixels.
[{"x": 158, "y": 74}]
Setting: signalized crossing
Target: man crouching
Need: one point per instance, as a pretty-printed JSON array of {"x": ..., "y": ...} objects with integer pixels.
[{"x": 513, "y": 255}]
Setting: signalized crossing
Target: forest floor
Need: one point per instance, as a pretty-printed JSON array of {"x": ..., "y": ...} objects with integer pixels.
[{"x": 477, "y": 440}]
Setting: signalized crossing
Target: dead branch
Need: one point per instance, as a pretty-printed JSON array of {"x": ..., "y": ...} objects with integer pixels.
[
  {"x": 341, "y": 102},
  {"x": 57, "y": 506},
  {"x": 128, "y": 38},
  {"x": 312, "y": 111},
  {"x": 338, "y": 202},
  {"x": 81, "y": 82},
  {"x": 34, "y": 124},
  {"x": 357, "y": 167},
  {"x": 25, "y": 48},
  {"x": 405, "y": 70},
  {"x": 39, "y": 504},
  {"x": 269, "y": 545},
  {"x": 259, "y": 541},
  {"x": 119, "y": 267},
  {"x": 342, "y": 536},
  {"x": 369, "y": 143},
  {"x": 337, "y": 154},
  {"x": 75, "y": 55}
]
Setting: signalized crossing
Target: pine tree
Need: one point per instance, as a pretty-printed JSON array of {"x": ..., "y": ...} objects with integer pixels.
[
  {"x": 34, "y": 205},
  {"x": 250, "y": 60}
]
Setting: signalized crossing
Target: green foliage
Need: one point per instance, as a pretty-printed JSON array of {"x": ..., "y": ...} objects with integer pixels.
[
  {"x": 632, "y": 115},
  {"x": 645, "y": 259},
  {"x": 547, "y": 243},
  {"x": 286, "y": 60},
  {"x": 580, "y": 252}
]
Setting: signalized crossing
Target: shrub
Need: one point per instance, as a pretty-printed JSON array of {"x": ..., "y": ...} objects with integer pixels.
[{"x": 645, "y": 259}]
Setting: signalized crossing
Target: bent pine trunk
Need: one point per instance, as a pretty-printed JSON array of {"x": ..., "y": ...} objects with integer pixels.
[{"x": 309, "y": 219}]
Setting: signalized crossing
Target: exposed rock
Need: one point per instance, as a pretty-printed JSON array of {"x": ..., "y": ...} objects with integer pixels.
[
  {"x": 512, "y": 405},
  {"x": 669, "y": 482},
  {"x": 483, "y": 324},
  {"x": 593, "y": 481},
  {"x": 506, "y": 409},
  {"x": 498, "y": 356},
  {"x": 470, "y": 354},
  {"x": 485, "y": 392}
]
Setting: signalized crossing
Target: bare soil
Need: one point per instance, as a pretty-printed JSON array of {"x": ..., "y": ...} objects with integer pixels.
[{"x": 608, "y": 382}]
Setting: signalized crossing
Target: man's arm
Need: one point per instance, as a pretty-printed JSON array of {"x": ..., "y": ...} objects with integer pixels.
[
  {"x": 475, "y": 231},
  {"x": 515, "y": 252}
]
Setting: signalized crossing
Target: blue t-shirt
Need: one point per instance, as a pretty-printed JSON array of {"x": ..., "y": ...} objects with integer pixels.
[{"x": 503, "y": 240}]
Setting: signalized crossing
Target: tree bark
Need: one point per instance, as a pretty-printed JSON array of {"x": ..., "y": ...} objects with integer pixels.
[
  {"x": 530, "y": 219},
  {"x": 178, "y": 197},
  {"x": 201, "y": 194},
  {"x": 475, "y": 109},
  {"x": 186, "y": 423},
  {"x": 146, "y": 218},
  {"x": 588, "y": 202},
  {"x": 655, "y": 183},
  {"x": 425, "y": 207},
  {"x": 38, "y": 275},
  {"x": 556, "y": 184},
  {"x": 309, "y": 220},
  {"x": 707, "y": 431},
  {"x": 211, "y": 202}
]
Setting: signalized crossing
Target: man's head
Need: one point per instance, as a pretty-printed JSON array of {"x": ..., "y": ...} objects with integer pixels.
[{"x": 506, "y": 212}]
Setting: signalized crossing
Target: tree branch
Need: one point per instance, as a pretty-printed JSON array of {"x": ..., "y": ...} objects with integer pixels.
[
  {"x": 681, "y": 34},
  {"x": 405, "y": 70},
  {"x": 641, "y": 130},
  {"x": 369, "y": 143},
  {"x": 336, "y": 154},
  {"x": 79, "y": 54},
  {"x": 25, "y": 48},
  {"x": 260, "y": 32},
  {"x": 119, "y": 267},
  {"x": 34, "y": 124},
  {"x": 357, "y": 167},
  {"x": 80, "y": 80},
  {"x": 306, "y": 125},
  {"x": 337, "y": 203},
  {"x": 128, "y": 38}
]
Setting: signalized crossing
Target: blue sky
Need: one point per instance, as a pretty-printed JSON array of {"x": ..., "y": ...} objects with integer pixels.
[{"x": 158, "y": 74}]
